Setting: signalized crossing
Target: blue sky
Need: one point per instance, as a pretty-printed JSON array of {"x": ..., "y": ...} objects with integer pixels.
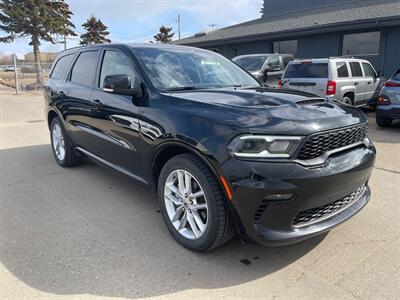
[{"x": 139, "y": 20}]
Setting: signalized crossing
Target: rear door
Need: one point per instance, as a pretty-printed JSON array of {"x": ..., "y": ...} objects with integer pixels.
[
  {"x": 359, "y": 82},
  {"x": 307, "y": 76},
  {"x": 76, "y": 93},
  {"x": 372, "y": 81}
]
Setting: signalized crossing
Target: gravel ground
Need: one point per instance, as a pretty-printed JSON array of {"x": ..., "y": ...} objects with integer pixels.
[{"x": 88, "y": 232}]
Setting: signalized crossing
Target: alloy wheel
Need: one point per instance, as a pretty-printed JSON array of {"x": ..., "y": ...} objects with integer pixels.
[
  {"x": 186, "y": 204},
  {"x": 58, "y": 142}
]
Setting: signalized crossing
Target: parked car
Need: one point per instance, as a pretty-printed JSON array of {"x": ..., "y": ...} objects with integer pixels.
[
  {"x": 225, "y": 154},
  {"x": 9, "y": 69},
  {"x": 267, "y": 68},
  {"x": 348, "y": 80},
  {"x": 388, "y": 103}
]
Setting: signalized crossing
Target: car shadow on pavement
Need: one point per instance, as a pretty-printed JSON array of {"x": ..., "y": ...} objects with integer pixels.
[{"x": 89, "y": 230}]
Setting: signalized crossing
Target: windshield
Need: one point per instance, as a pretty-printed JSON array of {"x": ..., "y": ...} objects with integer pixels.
[
  {"x": 251, "y": 63},
  {"x": 186, "y": 68},
  {"x": 307, "y": 70}
]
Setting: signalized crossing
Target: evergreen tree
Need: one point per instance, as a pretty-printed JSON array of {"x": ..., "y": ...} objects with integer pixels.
[
  {"x": 40, "y": 20},
  {"x": 96, "y": 32},
  {"x": 165, "y": 35}
]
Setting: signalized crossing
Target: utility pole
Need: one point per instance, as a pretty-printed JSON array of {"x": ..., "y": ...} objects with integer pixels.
[
  {"x": 213, "y": 25},
  {"x": 15, "y": 73},
  {"x": 179, "y": 26},
  {"x": 65, "y": 42}
]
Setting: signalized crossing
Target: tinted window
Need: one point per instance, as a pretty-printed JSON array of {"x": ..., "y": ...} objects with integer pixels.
[
  {"x": 307, "y": 70},
  {"x": 366, "y": 43},
  {"x": 342, "y": 70},
  {"x": 116, "y": 63},
  {"x": 84, "y": 69},
  {"x": 286, "y": 60},
  {"x": 368, "y": 70},
  {"x": 61, "y": 67},
  {"x": 356, "y": 69},
  {"x": 174, "y": 68},
  {"x": 251, "y": 63},
  {"x": 396, "y": 76},
  {"x": 285, "y": 47}
]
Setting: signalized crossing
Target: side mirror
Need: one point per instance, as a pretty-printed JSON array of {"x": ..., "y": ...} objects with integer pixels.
[
  {"x": 121, "y": 84},
  {"x": 380, "y": 74},
  {"x": 273, "y": 68}
]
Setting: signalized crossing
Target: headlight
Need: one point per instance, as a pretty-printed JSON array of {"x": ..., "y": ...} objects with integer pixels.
[{"x": 264, "y": 146}]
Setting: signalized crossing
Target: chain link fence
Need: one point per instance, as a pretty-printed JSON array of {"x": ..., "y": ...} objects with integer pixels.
[{"x": 23, "y": 76}]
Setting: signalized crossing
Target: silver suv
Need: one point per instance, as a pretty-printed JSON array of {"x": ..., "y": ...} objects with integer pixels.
[{"x": 349, "y": 80}]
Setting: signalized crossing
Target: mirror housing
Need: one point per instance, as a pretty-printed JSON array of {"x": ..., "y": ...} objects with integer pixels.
[
  {"x": 380, "y": 74},
  {"x": 121, "y": 85},
  {"x": 273, "y": 68}
]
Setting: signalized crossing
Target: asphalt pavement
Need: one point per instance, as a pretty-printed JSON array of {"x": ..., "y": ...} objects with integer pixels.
[{"x": 89, "y": 232}]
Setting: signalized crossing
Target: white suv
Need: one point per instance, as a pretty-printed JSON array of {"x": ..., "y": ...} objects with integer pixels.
[{"x": 349, "y": 80}]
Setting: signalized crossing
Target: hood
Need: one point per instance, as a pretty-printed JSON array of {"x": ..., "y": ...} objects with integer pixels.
[{"x": 267, "y": 110}]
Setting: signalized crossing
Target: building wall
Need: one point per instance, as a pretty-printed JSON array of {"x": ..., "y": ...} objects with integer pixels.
[{"x": 391, "y": 59}]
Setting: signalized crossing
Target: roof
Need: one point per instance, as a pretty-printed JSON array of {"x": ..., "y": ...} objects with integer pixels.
[{"x": 372, "y": 10}]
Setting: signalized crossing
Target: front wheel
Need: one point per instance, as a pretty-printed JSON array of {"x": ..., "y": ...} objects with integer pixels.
[{"x": 193, "y": 205}]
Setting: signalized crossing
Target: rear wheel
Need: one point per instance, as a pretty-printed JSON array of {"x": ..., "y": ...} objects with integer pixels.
[
  {"x": 193, "y": 205},
  {"x": 63, "y": 150},
  {"x": 347, "y": 100},
  {"x": 383, "y": 122}
]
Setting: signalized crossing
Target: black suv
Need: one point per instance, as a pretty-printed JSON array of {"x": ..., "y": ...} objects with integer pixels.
[{"x": 226, "y": 154}]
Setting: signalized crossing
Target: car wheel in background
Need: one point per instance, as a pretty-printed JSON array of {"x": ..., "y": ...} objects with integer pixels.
[
  {"x": 63, "y": 150},
  {"x": 193, "y": 204},
  {"x": 347, "y": 100},
  {"x": 383, "y": 122}
]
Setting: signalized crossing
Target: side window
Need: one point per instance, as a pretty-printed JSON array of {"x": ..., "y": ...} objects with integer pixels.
[
  {"x": 286, "y": 60},
  {"x": 355, "y": 69},
  {"x": 84, "y": 69},
  {"x": 116, "y": 63},
  {"x": 342, "y": 70},
  {"x": 61, "y": 67},
  {"x": 368, "y": 70}
]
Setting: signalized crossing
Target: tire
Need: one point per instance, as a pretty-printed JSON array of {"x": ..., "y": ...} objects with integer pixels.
[
  {"x": 383, "y": 122},
  {"x": 66, "y": 155},
  {"x": 219, "y": 227},
  {"x": 347, "y": 100}
]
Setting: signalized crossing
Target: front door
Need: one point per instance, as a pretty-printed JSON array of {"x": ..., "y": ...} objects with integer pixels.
[
  {"x": 372, "y": 81},
  {"x": 115, "y": 118}
]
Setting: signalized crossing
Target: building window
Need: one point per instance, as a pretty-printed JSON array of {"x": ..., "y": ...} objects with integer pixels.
[
  {"x": 285, "y": 47},
  {"x": 366, "y": 43}
]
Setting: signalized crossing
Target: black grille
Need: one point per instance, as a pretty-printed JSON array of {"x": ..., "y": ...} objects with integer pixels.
[
  {"x": 317, "y": 144},
  {"x": 314, "y": 214}
]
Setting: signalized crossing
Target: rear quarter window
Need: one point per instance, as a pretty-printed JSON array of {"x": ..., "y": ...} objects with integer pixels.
[
  {"x": 307, "y": 70},
  {"x": 61, "y": 67}
]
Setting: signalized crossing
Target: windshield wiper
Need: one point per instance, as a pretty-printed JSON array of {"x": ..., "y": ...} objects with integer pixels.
[{"x": 181, "y": 88}]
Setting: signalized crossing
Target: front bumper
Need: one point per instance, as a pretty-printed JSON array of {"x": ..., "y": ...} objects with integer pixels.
[
  {"x": 391, "y": 111},
  {"x": 269, "y": 196}
]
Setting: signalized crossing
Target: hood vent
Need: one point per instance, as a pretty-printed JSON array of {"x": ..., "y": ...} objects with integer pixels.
[{"x": 310, "y": 101}]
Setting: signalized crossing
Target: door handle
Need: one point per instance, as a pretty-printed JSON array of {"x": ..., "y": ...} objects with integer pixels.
[
  {"x": 97, "y": 102},
  {"x": 356, "y": 83}
]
